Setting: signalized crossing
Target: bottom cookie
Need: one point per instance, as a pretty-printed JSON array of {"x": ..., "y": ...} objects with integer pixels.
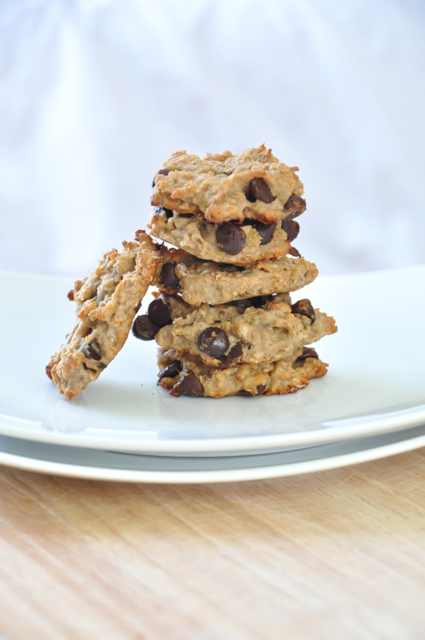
[{"x": 189, "y": 375}]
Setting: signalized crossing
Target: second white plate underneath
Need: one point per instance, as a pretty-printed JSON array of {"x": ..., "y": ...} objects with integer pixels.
[
  {"x": 110, "y": 465},
  {"x": 375, "y": 384}
]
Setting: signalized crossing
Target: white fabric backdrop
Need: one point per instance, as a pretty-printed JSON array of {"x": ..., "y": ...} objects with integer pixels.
[{"x": 96, "y": 94}]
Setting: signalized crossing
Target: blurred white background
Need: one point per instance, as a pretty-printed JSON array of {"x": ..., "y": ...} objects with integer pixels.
[{"x": 95, "y": 94}]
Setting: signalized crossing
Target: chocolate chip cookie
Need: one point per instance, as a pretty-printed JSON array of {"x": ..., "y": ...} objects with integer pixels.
[
  {"x": 239, "y": 244},
  {"x": 201, "y": 281},
  {"x": 186, "y": 374},
  {"x": 107, "y": 301},
  {"x": 227, "y": 187},
  {"x": 260, "y": 329}
]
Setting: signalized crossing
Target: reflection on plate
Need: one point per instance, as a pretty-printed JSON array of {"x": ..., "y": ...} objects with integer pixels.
[{"x": 375, "y": 384}]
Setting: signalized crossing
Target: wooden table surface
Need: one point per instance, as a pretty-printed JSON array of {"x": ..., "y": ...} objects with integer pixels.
[{"x": 337, "y": 554}]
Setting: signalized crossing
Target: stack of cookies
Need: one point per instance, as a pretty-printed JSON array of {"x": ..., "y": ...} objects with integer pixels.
[{"x": 223, "y": 317}]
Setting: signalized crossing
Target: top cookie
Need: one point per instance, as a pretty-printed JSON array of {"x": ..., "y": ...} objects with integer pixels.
[{"x": 226, "y": 187}]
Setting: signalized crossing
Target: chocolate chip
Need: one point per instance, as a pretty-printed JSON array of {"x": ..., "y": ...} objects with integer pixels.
[
  {"x": 144, "y": 329},
  {"x": 186, "y": 215},
  {"x": 291, "y": 228},
  {"x": 160, "y": 210},
  {"x": 255, "y": 301},
  {"x": 259, "y": 301},
  {"x": 259, "y": 190},
  {"x": 49, "y": 371},
  {"x": 101, "y": 366},
  {"x": 159, "y": 312},
  {"x": 295, "y": 206},
  {"x": 261, "y": 388},
  {"x": 92, "y": 351},
  {"x": 294, "y": 252},
  {"x": 308, "y": 352},
  {"x": 171, "y": 370},
  {"x": 304, "y": 308},
  {"x": 241, "y": 305},
  {"x": 168, "y": 276},
  {"x": 136, "y": 309},
  {"x": 234, "y": 353},
  {"x": 163, "y": 172},
  {"x": 88, "y": 368},
  {"x": 266, "y": 231},
  {"x": 231, "y": 238},
  {"x": 188, "y": 385},
  {"x": 248, "y": 394},
  {"x": 70, "y": 295},
  {"x": 214, "y": 342}
]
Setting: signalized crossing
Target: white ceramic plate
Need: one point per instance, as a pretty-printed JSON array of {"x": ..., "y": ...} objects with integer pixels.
[
  {"x": 110, "y": 465},
  {"x": 375, "y": 384}
]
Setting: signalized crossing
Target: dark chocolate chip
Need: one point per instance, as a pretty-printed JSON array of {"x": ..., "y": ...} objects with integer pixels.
[
  {"x": 266, "y": 231},
  {"x": 231, "y": 238},
  {"x": 248, "y": 195},
  {"x": 70, "y": 295},
  {"x": 255, "y": 301},
  {"x": 168, "y": 276},
  {"x": 291, "y": 228},
  {"x": 294, "y": 252},
  {"x": 241, "y": 305},
  {"x": 259, "y": 190},
  {"x": 248, "y": 394},
  {"x": 163, "y": 172},
  {"x": 171, "y": 370},
  {"x": 233, "y": 355},
  {"x": 88, "y": 368},
  {"x": 159, "y": 312},
  {"x": 101, "y": 366},
  {"x": 49, "y": 371},
  {"x": 186, "y": 215},
  {"x": 188, "y": 385},
  {"x": 214, "y": 342},
  {"x": 259, "y": 301},
  {"x": 136, "y": 309},
  {"x": 295, "y": 206},
  {"x": 144, "y": 329},
  {"x": 92, "y": 351},
  {"x": 160, "y": 210},
  {"x": 261, "y": 389},
  {"x": 304, "y": 308},
  {"x": 308, "y": 352}
]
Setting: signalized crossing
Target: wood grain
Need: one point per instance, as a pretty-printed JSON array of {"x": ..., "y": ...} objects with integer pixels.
[{"x": 337, "y": 554}]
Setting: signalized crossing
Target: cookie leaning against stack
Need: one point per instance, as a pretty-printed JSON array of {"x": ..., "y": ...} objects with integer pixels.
[{"x": 224, "y": 320}]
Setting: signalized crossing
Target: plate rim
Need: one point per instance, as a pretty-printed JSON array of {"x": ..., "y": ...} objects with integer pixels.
[
  {"x": 122, "y": 440},
  {"x": 384, "y": 423}
]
